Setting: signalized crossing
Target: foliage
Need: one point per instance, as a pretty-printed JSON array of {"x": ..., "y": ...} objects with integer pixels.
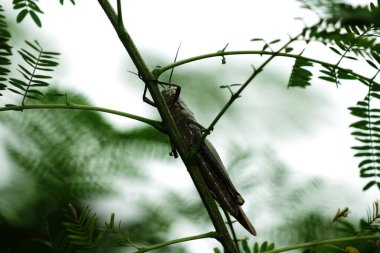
[
  {"x": 31, "y": 8},
  {"x": 351, "y": 33},
  {"x": 300, "y": 76},
  {"x": 39, "y": 61},
  {"x": 367, "y": 133},
  {"x": 27, "y": 7},
  {"x": 5, "y": 50}
]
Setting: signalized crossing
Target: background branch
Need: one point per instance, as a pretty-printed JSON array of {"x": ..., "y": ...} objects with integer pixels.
[{"x": 153, "y": 123}]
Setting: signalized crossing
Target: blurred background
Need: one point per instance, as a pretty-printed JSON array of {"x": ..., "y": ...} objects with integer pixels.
[{"x": 287, "y": 150}]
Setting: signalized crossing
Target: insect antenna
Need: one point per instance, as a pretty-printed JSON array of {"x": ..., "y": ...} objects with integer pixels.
[{"x": 175, "y": 60}]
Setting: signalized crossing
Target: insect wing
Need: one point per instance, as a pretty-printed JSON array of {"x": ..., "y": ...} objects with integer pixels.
[{"x": 208, "y": 151}]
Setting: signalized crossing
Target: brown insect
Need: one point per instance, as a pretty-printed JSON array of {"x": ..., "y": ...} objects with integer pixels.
[{"x": 207, "y": 157}]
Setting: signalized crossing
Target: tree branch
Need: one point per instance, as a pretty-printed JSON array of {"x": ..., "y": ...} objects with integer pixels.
[{"x": 195, "y": 173}]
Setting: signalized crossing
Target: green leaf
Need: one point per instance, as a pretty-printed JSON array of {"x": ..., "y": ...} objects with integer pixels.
[
  {"x": 34, "y": 6},
  {"x": 51, "y": 53},
  {"x": 21, "y": 15},
  {"x": 367, "y": 175},
  {"x": 35, "y": 18},
  {"x": 376, "y": 56},
  {"x": 17, "y": 81},
  {"x": 300, "y": 76},
  {"x": 346, "y": 75},
  {"x": 48, "y": 63},
  {"x": 217, "y": 250},
  {"x": 350, "y": 57},
  {"x": 256, "y": 248},
  {"x": 271, "y": 246},
  {"x": 244, "y": 244},
  {"x": 265, "y": 47},
  {"x": 335, "y": 50},
  {"x": 365, "y": 162},
  {"x": 26, "y": 71},
  {"x": 369, "y": 185},
  {"x": 365, "y": 154},
  {"x": 39, "y": 83},
  {"x": 274, "y": 41},
  {"x": 373, "y": 65},
  {"x": 37, "y": 92},
  {"x": 24, "y": 52},
  {"x": 327, "y": 72},
  {"x": 327, "y": 78},
  {"x": 42, "y": 77},
  {"x": 375, "y": 95},
  {"x": 15, "y": 91},
  {"x": 288, "y": 49},
  {"x": 264, "y": 246},
  {"x": 33, "y": 46},
  {"x": 362, "y": 124},
  {"x": 19, "y": 6}
]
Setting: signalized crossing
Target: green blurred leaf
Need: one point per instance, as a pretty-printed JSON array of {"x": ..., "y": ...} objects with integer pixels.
[
  {"x": 21, "y": 15},
  {"x": 35, "y": 18}
]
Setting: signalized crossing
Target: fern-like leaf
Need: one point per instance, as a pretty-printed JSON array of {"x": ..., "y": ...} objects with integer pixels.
[
  {"x": 39, "y": 61},
  {"x": 114, "y": 234},
  {"x": 367, "y": 132},
  {"x": 329, "y": 74},
  {"x": 300, "y": 76},
  {"x": 354, "y": 30},
  {"x": 373, "y": 216},
  {"x": 5, "y": 51},
  {"x": 81, "y": 229},
  {"x": 337, "y": 11},
  {"x": 28, "y": 7}
]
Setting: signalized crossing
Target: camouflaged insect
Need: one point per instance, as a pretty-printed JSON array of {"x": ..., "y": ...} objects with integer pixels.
[{"x": 207, "y": 159}]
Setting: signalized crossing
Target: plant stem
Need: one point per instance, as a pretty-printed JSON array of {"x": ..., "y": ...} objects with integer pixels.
[
  {"x": 179, "y": 240},
  {"x": 323, "y": 242},
  {"x": 161, "y": 70},
  {"x": 175, "y": 136},
  {"x": 237, "y": 94},
  {"x": 153, "y": 123}
]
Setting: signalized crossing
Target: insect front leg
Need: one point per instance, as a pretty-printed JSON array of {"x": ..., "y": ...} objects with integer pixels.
[
  {"x": 173, "y": 100},
  {"x": 170, "y": 100},
  {"x": 147, "y": 100}
]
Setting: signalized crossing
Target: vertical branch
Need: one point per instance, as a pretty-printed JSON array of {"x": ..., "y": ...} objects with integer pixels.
[
  {"x": 195, "y": 173},
  {"x": 119, "y": 14}
]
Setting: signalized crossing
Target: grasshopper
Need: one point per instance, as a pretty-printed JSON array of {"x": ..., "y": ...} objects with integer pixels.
[{"x": 206, "y": 157}]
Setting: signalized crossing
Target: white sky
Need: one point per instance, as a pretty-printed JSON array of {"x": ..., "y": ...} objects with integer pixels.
[{"x": 94, "y": 62}]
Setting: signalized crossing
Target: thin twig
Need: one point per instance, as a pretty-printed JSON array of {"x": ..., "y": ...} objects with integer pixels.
[
  {"x": 179, "y": 240},
  {"x": 237, "y": 94},
  {"x": 323, "y": 242},
  {"x": 163, "y": 69},
  {"x": 156, "y": 124}
]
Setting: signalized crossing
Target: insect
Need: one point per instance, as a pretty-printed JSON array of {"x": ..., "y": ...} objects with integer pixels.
[{"x": 207, "y": 158}]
